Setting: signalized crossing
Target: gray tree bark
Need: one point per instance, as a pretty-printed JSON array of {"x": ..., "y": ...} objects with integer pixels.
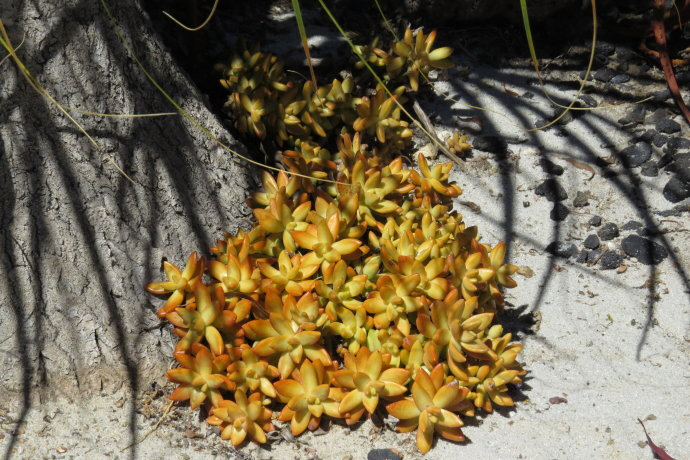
[{"x": 79, "y": 241}]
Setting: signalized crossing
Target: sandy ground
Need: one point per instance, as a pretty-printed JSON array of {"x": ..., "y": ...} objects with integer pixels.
[{"x": 611, "y": 347}]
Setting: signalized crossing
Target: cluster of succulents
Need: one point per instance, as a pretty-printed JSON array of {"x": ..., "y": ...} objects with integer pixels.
[
  {"x": 412, "y": 57},
  {"x": 265, "y": 103},
  {"x": 361, "y": 292}
]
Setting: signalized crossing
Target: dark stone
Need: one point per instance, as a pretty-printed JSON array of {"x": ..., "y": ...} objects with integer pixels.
[
  {"x": 636, "y": 154},
  {"x": 608, "y": 231},
  {"x": 648, "y": 136},
  {"x": 620, "y": 78},
  {"x": 582, "y": 256},
  {"x": 659, "y": 140},
  {"x": 591, "y": 242},
  {"x": 559, "y": 212},
  {"x": 493, "y": 144},
  {"x": 665, "y": 160},
  {"x": 561, "y": 249},
  {"x": 624, "y": 54},
  {"x": 605, "y": 48},
  {"x": 631, "y": 225},
  {"x": 551, "y": 190},
  {"x": 646, "y": 251},
  {"x": 593, "y": 256},
  {"x": 595, "y": 221},
  {"x": 649, "y": 231},
  {"x": 383, "y": 454},
  {"x": 581, "y": 200},
  {"x": 637, "y": 114},
  {"x": 604, "y": 75},
  {"x": 549, "y": 167},
  {"x": 589, "y": 100},
  {"x": 657, "y": 115},
  {"x": 677, "y": 143},
  {"x": 661, "y": 96},
  {"x": 650, "y": 169},
  {"x": 610, "y": 260},
  {"x": 681, "y": 166},
  {"x": 676, "y": 190},
  {"x": 667, "y": 126},
  {"x": 683, "y": 77},
  {"x": 675, "y": 211}
]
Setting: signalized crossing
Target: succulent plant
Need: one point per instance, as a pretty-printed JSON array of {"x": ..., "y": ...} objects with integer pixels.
[
  {"x": 200, "y": 378},
  {"x": 357, "y": 275},
  {"x": 179, "y": 284},
  {"x": 367, "y": 377},
  {"x": 431, "y": 408},
  {"x": 308, "y": 396},
  {"x": 458, "y": 144},
  {"x": 244, "y": 417}
]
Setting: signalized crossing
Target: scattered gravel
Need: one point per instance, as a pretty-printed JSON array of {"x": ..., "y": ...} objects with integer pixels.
[
  {"x": 677, "y": 143},
  {"x": 650, "y": 169},
  {"x": 559, "y": 212},
  {"x": 636, "y": 154},
  {"x": 581, "y": 200},
  {"x": 608, "y": 231},
  {"x": 561, "y": 249},
  {"x": 383, "y": 454},
  {"x": 659, "y": 140},
  {"x": 667, "y": 126},
  {"x": 549, "y": 167},
  {"x": 646, "y": 251},
  {"x": 595, "y": 221},
  {"x": 632, "y": 225},
  {"x": 492, "y": 144},
  {"x": 676, "y": 190},
  {"x": 620, "y": 78},
  {"x": 610, "y": 260},
  {"x": 604, "y": 75},
  {"x": 551, "y": 190},
  {"x": 591, "y": 242}
]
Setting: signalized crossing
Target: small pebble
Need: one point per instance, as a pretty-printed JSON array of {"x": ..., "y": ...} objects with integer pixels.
[
  {"x": 549, "y": 167},
  {"x": 667, "y": 126},
  {"x": 604, "y": 75},
  {"x": 621, "y": 78},
  {"x": 593, "y": 256},
  {"x": 631, "y": 225},
  {"x": 650, "y": 169},
  {"x": 582, "y": 256},
  {"x": 676, "y": 190},
  {"x": 648, "y": 136},
  {"x": 561, "y": 249},
  {"x": 604, "y": 48},
  {"x": 595, "y": 221},
  {"x": 610, "y": 260},
  {"x": 608, "y": 231},
  {"x": 589, "y": 100},
  {"x": 492, "y": 144},
  {"x": 646, "y": 251},
  {"x": 581, "y": 200},
  {"x": 559, "y": 212},
  {"x": 382, "y": 454},
  {"x": 591, "y": 242},
  {"x": 551, "y": 190},
  {"x": 661, "y": 96},
  {"x": 659, "y": 140},
  {"x": 677, "y": 143},
  {"x": 636, "y": 154},
  {"x": 657, "y": 115}
]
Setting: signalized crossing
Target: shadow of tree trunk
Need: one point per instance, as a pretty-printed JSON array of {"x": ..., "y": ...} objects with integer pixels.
[{"x": 77, "y": 240}]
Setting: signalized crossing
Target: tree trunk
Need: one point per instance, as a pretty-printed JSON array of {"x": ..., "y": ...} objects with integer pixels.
[{"x": 79, "y": 240}]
